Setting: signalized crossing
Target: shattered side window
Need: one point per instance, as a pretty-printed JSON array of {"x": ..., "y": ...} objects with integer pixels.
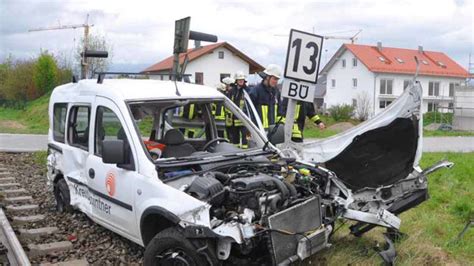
[{"x": 59, "y": 121}]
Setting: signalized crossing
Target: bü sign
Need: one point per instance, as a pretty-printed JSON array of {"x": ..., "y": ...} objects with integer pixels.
[{"x": 302, "y": 65}]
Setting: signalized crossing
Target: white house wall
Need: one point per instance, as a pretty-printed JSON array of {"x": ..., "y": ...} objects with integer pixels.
[
  {"x": 443, "y": 99},
  {"x": 344, "y": 92},
  {"x": 213, "y": 67}
]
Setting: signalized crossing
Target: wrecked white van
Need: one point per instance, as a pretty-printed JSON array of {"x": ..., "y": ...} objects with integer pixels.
[{"x": 148, "y": 160}]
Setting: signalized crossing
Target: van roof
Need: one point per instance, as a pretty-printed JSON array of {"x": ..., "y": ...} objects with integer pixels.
[{"x": 133, "y": 89}]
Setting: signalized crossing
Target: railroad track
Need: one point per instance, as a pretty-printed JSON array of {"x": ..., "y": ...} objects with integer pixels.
[{"x": 22, "y": 235}]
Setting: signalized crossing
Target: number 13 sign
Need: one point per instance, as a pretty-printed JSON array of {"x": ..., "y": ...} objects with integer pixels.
[{"x": 303, "y": 56}]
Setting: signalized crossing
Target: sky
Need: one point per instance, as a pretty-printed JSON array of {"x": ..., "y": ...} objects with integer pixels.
[{"x": 141, "y": 32}]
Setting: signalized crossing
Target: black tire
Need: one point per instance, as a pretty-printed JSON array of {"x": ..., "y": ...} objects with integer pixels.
[
  {"x": 62, "y": 196},
  {"x": 170, "y": 247}
]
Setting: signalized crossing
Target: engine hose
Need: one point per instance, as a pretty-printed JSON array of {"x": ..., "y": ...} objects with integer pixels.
[
  {"x": 223, "y": 178},
  {"x": 291, "y": 188},
  {"x": 282, "y": 187}
]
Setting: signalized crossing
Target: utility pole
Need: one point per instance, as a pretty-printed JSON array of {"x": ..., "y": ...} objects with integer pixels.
[{"x": 86, "y": 27}]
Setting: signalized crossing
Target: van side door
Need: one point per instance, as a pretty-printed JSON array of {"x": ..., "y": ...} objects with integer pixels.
[
  {"x": 75, "y": 154},
  {"x": 111, "y": 185}
]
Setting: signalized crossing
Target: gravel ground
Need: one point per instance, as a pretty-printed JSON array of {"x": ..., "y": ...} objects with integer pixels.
[{"x": 90, "y": 241}]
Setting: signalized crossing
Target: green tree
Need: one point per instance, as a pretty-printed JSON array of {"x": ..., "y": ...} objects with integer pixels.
[
  {"x": 18, "y": 85},
  {"x": 46, "y": 73},
  {"x": 5, "y": 70}
]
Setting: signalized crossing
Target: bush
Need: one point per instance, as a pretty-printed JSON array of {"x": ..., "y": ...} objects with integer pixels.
[
  {"x": 46, "y": 73},
  {"x": 28, "y": 79},
  {"x": 341, "y": 112},
  {"x": 17, "y": 84},
  {"x": 437, "y": 117}
]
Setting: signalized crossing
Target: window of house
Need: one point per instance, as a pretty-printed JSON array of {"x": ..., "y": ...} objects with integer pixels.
[
  {"x": 399, "y": 60},
  {"x": 224, "y": 75},
  {"x": 199, "y": 78},
  {"x": 59, "y": 121},
  {"x": 354, "y": 103},
  {"x": 433, "y": 88},
  {"x": 78, "y": 132},
  {"x": 432, "y": 106},
  {"x": 384, "y": 103},
  {"x": 406, "y": 83},
  {"x": 333, "y": 83},
  {"x": 354, "y": 83},
  {"x": 452, "y": 85},
  {"x": 343, "y": 62},
  {"x": 107, "y": 127},
  {"x": 221, "y": 54},
  {"x": 354, "y": 62},
  {"x": 450, "y": 105},
  {"x": 386, "y": 86},
  {"x": 424, "y": 62},
  {"x": 382, "y": 59}
]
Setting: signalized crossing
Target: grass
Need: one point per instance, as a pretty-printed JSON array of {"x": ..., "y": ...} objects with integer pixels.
[
  {"x": 443, "y": 133},
  {"x": 31, "y": 120},
  {"x": 431, "y": 227}
]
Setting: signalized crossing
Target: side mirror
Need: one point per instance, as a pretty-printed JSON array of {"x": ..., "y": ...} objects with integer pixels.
[
  {"x": 113, "y": 151},
  {"x": 276, "y": 135}
]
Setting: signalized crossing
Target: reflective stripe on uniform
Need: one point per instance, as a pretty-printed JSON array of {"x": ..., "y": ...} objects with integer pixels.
[
  {"x": 265, "y": 116},
  {"x": 191, "y": 111},
  {"x": 297, "y": 111},
  {"x": 296, "y": 132},
  {"x": 315, "y": 118}
]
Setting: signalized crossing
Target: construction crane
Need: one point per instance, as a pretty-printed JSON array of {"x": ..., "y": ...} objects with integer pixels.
[
  {"x": 86, "y": 27},
  {"x": 352, "y": 38}
]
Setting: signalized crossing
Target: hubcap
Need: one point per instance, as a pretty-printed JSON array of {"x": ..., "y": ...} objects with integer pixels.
[{"x": 173, "y": 257}]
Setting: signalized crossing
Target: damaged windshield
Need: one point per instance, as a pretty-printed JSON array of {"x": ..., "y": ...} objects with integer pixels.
[{"x": 174, "y": 129}]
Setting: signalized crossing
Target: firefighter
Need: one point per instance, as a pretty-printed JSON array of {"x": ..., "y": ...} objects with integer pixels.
[
  {"x": 238, "y": 132},
  {"x": 302, "y": 110},
  {"x": 266, "y": 97},
  {"x": 218, "y": 111},
  {"x": 188, "y": 112},
  {"x": 228, "y": 81}
]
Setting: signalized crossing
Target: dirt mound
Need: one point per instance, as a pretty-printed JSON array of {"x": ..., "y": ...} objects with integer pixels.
[
  {"x": 11, "y": 124},
  {"x": 432, "y": 126},
  {"x": 339, "y": 127}
]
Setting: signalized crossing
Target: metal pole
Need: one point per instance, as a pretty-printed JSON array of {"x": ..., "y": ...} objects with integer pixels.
[
  {"x": 176, "y": 67},
  {"x": 290, "y": 119},
  {"x": 84, "y": 49}
]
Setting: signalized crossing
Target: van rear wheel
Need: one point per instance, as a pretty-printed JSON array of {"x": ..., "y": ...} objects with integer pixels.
[
  {"x": 62, "y": 196},
  {"x": 170, "y": 247}
]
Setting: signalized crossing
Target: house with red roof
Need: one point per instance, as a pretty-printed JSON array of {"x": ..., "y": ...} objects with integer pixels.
[
  {"x": 209, "y": 64},
  {"x": 377, "y": 75}
]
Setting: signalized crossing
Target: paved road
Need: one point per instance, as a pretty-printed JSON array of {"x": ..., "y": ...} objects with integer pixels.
[
  {"x": 28, "y": 143},
  {"x": 23, "y": 142}
]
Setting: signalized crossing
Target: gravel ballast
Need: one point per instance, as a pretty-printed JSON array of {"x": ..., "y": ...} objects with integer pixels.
[{"x": 90, "y": 241}]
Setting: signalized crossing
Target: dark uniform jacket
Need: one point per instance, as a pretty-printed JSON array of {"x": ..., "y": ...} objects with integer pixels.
[{"x": 267, "y": 102}]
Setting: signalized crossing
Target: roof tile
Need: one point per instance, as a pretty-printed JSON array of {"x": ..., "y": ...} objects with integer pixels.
[{"x": 369, "y": 56}]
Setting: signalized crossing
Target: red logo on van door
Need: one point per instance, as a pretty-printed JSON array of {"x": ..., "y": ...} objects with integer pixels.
[{"x": 110, "y": 183}]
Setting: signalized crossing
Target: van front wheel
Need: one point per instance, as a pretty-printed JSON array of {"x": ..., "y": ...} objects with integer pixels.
[
  {"x": 170, "y": 247},
  {"x": 62, "y": 196}
]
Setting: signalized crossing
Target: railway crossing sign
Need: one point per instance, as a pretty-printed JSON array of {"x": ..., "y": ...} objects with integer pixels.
[{"x": 302, "y": 65}]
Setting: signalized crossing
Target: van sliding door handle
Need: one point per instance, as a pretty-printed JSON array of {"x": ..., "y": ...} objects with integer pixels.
[{"x": 91, "y": 173}]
